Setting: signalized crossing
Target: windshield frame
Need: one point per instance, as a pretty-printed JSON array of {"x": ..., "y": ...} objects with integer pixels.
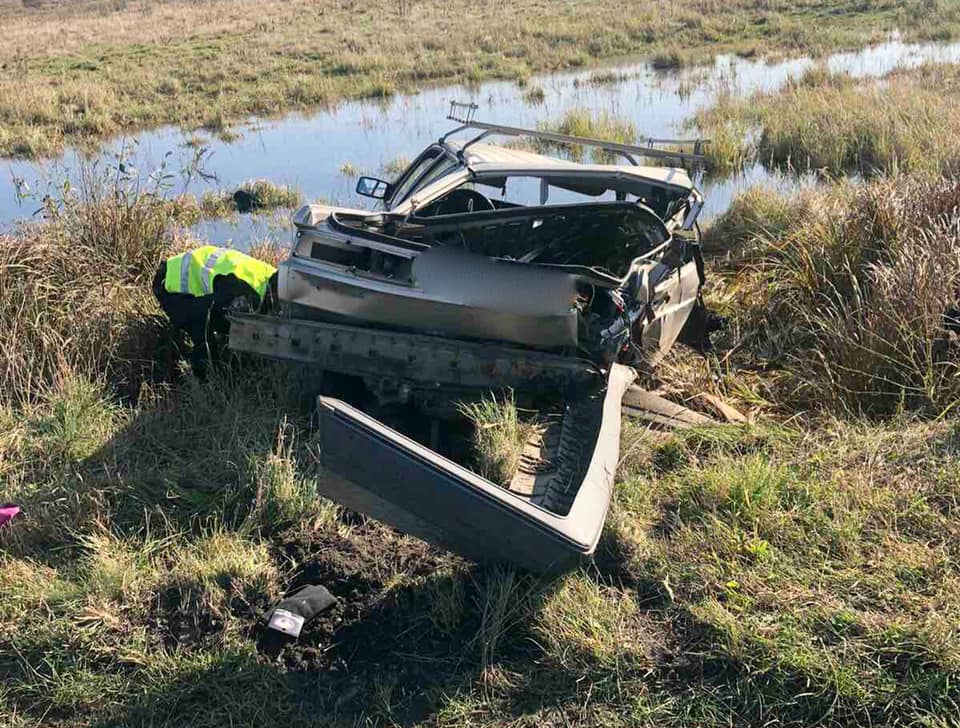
[{"x": 423, "y": 176}]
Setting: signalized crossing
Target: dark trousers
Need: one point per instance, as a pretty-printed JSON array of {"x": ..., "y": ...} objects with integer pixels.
[{"x": 199, "y": 317}]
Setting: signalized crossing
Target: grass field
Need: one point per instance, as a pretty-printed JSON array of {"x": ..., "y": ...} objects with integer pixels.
[
  {"x": 78, "y": 71},
  {"x": 748, "y": 574},
  {"x": 798, "y": 570}
]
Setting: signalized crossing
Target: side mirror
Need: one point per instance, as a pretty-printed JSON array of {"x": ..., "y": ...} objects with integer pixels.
[{"x": 373, "y": 187}]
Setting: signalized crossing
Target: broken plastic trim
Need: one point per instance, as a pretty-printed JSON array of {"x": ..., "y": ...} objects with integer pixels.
[{"x": 383, "y": 474}]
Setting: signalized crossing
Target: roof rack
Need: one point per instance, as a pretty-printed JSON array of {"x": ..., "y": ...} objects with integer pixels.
[{"x": 463, "y": 113}]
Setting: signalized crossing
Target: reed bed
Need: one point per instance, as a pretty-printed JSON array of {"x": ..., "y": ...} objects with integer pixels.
[
  {"x": 850, "y": 289},
  {"x": 836, "y": 124}
]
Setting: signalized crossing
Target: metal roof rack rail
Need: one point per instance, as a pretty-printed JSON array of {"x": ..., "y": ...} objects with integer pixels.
[{"x": 464, "y": 113}]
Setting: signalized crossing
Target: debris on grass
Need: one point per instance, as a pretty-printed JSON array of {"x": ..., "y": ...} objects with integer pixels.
[{"x": 722, "y": 409}]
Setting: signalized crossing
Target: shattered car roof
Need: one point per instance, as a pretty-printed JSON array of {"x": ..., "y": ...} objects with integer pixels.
[
  {"x": 485, "y": 159},
  {"x": 488, "y": 160}
]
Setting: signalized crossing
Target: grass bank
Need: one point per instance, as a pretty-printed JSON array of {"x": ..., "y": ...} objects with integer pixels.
[
  {"x": 842, "y": 296},
  {"x": 834, "y": 123},
  {"x": 747, "y": 574},
  {"x": 83, "y": 70},
  {"x": 796, "y": 570}
]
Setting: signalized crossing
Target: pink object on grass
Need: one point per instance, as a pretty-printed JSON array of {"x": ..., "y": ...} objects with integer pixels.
[{"x": 7, "y": 513}]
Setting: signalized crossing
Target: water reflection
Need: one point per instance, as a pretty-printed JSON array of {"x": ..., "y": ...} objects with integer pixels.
[{"x": 310, "y": 152}]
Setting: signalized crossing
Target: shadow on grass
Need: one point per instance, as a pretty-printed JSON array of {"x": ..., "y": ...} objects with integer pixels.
[
  {"x": 398, "y": 655},
  {"x": 385, "y": 657}
]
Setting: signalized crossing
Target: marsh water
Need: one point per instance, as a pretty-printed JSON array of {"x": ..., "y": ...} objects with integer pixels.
[{"x": 322, "y": 153}]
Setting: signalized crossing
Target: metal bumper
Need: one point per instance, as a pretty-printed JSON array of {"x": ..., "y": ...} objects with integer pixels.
[
  {"x": 377, "y": 471},
  {"x": 418, "y": 358}
]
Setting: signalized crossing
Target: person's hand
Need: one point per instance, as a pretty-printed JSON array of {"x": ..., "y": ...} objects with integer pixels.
[{"x": 241, "y": 304}]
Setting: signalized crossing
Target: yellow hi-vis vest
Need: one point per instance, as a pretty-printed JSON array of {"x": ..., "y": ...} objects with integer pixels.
[{"x": 193, "y": 272}]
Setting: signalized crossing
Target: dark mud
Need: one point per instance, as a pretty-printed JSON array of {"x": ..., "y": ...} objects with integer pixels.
[
  {"x": 381, "y": 652},
  {"x": 377, "y": 648}
]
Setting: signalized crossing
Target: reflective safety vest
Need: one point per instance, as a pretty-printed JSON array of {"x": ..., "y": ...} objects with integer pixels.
[{"x": 193, "y": 272}]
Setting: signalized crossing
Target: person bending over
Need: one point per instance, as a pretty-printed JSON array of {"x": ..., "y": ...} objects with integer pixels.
[{"x": 195, "y": 289}]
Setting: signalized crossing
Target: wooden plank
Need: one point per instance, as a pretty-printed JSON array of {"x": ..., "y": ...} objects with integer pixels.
[
  {"x": 660, "y": 412},
  {"x": 726, "y": 411}
]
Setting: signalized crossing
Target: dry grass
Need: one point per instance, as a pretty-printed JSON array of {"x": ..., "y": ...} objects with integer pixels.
[
  {"x": 794, "y": 572},
  {"x": 846, "y": 290},
  {"x": 748, "y": 574},
  {"x": 907, "y": 122},
  {"x": 740, "y": 563},
  {"x": 75, "y": 290},
  {"x": 583, "y": 123},
  {"x": 758, "y": 214},
  {"x": 265, "y": 196},
  {"x": 85, "y": 70}
]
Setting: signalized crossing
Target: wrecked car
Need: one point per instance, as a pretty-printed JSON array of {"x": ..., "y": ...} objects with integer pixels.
[
  {"x": 454, "y": 253},
  {"x": 489, "y": 268}
]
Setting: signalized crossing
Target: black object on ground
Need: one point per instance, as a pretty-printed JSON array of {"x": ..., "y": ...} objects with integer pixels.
[
  {"x": 283, "y": 623},
  {"x": 699, "y": 326}
]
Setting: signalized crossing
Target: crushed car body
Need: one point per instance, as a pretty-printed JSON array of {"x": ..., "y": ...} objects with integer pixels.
[
  {"x": 489, "y": 268},
  {"x": 452, "y": 248}
]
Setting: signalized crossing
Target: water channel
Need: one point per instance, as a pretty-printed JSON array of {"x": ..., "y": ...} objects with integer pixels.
[{"x": 321, "y": 153}]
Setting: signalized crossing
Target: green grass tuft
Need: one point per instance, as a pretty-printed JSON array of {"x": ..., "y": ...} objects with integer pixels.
[
  {"x": 500, "y": 432},
  {"x": 668, "y": 59},
  {"x": 758, "y": 214},
  {"x": 534, "y": 95},
  {"x": 266, "y": 195},
  {"x": 583, "y": 123}
]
